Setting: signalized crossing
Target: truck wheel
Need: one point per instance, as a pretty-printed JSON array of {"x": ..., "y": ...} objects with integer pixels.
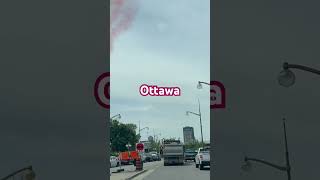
[
  {"x": 201, "y": 167},
  {"x": 197, "y": 165}
]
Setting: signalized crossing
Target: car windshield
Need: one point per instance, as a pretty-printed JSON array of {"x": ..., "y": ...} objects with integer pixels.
[{"x": 205, "y": 150}]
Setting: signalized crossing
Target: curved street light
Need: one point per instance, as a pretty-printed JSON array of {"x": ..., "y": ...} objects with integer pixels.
[
  {"x": 247, "y": 166},
  {"x": 287, "y": 78},
  {"x": 30, "y": 175},
  {"x": 199, "y": 86},
  {"x": 147, "y": 128},
  {"x": 117, "y": 116}
]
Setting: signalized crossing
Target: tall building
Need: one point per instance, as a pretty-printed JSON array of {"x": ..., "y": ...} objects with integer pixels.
[
  {"x": 150, "y": 138},
  {"x": 188, "y": 135}
]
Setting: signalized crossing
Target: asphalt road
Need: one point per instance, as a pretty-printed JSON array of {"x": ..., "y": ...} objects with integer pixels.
[
  {"x": 147, "y": 165},
  {"x": 188, "y": 171},
  {"x": 130, "y": 170}
]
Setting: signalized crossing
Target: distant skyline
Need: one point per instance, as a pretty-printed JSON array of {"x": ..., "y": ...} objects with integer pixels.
[
  {"x": 165, "y": 46},
  {"x": 188, "y": 134}
]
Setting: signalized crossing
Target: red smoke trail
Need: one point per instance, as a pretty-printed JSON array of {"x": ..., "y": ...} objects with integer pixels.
[{"x": 121, "y": 17}]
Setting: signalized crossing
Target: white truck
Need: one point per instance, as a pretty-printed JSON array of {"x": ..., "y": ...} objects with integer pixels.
[
  {"x": 203, "y": 157},
  {"x": 173, "y": 152}
]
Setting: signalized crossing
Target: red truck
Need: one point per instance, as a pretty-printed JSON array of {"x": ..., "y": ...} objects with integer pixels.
[{"x": 128, "y": 157}]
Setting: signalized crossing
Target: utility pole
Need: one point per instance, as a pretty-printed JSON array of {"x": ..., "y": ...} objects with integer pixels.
[
  {"x": 288, "y": 169},
  {"x": 200, "y": 124},
  {"x": 198, "y": 114},
  {"x": 285, "y": 168}
]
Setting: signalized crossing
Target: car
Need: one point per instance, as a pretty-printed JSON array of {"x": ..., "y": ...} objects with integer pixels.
[
  {"x": 190, "y": 155},
  {"x": 114, "y": 161},
  {"x": 203, "y": 158},
  {"x": 148, "y": 157},
  {"x": 155, "y": 156},
  {"x": 159, "y": 157}
]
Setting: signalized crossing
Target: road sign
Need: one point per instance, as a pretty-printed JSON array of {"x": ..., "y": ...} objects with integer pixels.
[{"x": 140, "y": 146}]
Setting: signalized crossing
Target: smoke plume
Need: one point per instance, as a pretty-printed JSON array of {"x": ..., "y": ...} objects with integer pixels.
[{"x": 121, "y": 17}]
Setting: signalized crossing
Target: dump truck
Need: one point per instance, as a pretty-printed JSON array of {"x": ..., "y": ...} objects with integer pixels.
[{"x": 173, "y": 152}]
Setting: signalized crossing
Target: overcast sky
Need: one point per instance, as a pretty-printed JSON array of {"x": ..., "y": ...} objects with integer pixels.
[{"x": 168, "y": 44}]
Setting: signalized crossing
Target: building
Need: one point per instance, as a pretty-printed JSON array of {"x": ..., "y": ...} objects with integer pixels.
[
  {"x": 188, "y": 135},
  {"x": 147, "y": 146},
  {"x": 150, "y": 139}
]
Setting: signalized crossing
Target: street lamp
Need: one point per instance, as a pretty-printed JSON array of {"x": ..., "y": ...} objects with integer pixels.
[
  {"x": 140, "y": 129},
  {"x": 118, "y": 116},
  {"x": 287, "y": 78},
  {"x": 197, "y": 114},
  {"x": 30, "y": 175},
  {"x": 128, "y": 146},
  {"x": 147, "y": 128},
  {"x": 247, "y": 161},
  {"x": 199, "y": 86}
]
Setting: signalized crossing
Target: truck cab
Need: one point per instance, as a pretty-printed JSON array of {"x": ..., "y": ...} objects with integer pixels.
[{"x": 203, "y": 157}]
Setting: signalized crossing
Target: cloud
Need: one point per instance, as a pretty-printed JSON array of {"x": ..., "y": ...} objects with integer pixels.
[{"x": 166, "y": 46}]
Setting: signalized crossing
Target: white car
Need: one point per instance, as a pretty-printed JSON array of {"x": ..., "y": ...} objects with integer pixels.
[
  {"x": 203, "y": 158},
  {"x": 114, "y": 161}
]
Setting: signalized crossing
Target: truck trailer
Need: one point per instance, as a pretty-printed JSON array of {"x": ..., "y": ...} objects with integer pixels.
[{"x": 173, "y": 152}]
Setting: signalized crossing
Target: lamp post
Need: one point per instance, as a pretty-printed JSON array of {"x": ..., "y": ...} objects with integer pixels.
[
  {"x": 286, "y": 168},
  {"x": 141, "y": 129},
  {"x": 117, "y": 116},
  {"x": 128, "y": 146},
  {"x": 198, "y": 114},
  {"x": 30, "y": 175},
  {"x": 287, "y": 78},
  {"x": 199, "y": 86},
  {"x": 155, "y": 139}
]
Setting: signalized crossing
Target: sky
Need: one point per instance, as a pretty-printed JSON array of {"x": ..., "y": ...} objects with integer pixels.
[{"x": 168, "y": 44}]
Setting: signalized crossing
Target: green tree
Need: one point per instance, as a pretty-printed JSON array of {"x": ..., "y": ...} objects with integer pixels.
[
  {"x": 155, "y": 145},
  {"x": 121, "y": 135}
]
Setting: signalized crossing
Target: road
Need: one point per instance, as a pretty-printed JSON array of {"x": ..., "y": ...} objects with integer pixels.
[
  {"x": 186, "y": 172},
  {"x": 130, "y": 170},
  {"x": 148, "y": 165}
]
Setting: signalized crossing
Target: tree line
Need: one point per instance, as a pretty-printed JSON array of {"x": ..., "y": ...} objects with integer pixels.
[{"x": 122, "y": 134}]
